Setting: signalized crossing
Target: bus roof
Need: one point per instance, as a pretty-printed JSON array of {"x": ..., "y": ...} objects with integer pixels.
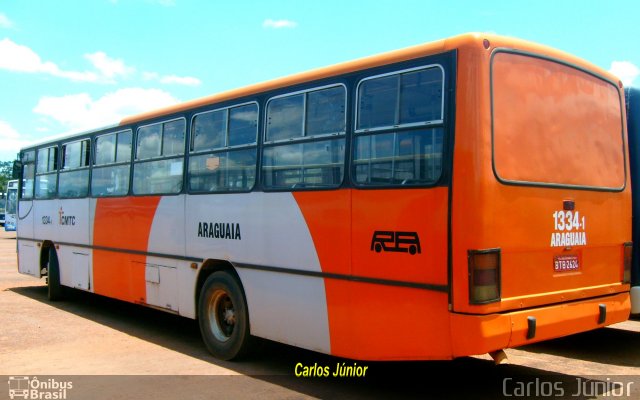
[{"x": 474, "y": 39}]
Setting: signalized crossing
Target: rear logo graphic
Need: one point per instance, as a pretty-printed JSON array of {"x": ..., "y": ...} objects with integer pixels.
[{"x": 401, "y": 242}]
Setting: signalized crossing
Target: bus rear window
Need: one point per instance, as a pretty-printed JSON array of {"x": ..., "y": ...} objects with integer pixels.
[{"x": 555, "y": 125}]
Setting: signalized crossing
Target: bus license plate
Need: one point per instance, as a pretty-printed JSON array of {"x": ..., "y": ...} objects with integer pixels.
[{"x": 565, "y": 263}]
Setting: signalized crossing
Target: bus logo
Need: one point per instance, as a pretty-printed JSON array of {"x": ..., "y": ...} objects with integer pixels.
[{"x": 401, "y": 242}]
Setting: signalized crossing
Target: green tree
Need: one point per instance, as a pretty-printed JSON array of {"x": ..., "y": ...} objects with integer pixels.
[{"x": 6, "y": 174}]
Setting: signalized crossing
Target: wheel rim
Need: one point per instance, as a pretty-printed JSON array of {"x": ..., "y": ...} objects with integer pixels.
[{"x": 222, "y": 315}]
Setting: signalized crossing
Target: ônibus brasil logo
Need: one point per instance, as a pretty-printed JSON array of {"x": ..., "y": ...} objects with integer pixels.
[{"x": 24, "y": 387}]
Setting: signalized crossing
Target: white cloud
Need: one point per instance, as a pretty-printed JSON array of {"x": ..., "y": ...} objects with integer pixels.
[
  {"x": 109, "y": 67},
  {"x": 280, "y": 23},
  {"x": 5, "y": 22},
  {"x": 18, "y": 58},
  {"x": 150, "y": 76},
  {"x": 180, "y": 80},
  {"x": 165, "y": 3},
  {"x": 626, "y": 71},
  {"x": 11, "y": 141},
  {"x": 81, "y": 112},
  {"x": 171, "y": 79}
]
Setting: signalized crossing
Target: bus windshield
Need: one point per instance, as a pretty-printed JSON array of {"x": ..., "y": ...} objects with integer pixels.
[
  {"x": 12, "y": 200},
  {"x": 572, "y": 118}
]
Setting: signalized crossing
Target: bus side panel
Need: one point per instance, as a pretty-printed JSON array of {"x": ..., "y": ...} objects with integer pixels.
[
  {"x": 122, "y": 224},
  {"x": 64, "y": 222},
  {"x": 46, "y": 226},
  {"x": 365, "y": 317},
  {"x": 327, "y": 216},
  {"x": 69, "y": 221},
  {"x": 24, "y": 219},
  {"x": 398, "y": 321},
  {"x": 169, "y": 281},
  {"x": 266, "y": 238},
  {"x": 393, "y": 323}
]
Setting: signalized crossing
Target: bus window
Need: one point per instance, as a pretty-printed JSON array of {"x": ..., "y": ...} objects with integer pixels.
[
  {"x": 160, "y": 176},
  {"x": 564, "y": 114},
  {"x": 28, "y": 174},
  {"x": 229, "y": 138},
  {"x": 110, "y": 176},
  {"x": 401, "y": 99},
  {"x": 392, "y": 146},
  {"x": 46, "y": 176},
  {"x": 297, "y": 117},
  {"x": 74, "y": 175}
]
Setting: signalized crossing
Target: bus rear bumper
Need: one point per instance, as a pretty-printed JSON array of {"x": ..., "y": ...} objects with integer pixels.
[{"x": 480, "y": 334}]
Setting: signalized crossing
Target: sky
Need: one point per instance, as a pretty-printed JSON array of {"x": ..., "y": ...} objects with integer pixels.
[{"x": 74, "y": 65}]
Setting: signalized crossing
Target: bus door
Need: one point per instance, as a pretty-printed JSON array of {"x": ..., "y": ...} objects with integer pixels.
[{"x": 27, "y": 250}]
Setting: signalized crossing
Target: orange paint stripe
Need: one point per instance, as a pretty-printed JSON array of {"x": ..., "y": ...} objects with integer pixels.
[{"x": 122, "y": 223}]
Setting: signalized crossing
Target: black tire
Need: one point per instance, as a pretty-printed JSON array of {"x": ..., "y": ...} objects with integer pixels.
[
  {"x": 223, "y": 317},
  {"x": 55, "y": 291}
]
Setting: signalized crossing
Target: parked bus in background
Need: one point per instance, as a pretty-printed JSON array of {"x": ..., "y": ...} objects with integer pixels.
[
  {"x": 453, "y": 198},
  {"x": 3, "y": 197},
  {"x": 632, "y": 96},
  {"x": 11, "y": 205}
]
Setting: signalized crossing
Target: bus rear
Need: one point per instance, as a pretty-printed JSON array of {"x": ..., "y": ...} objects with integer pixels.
[{"x": 541, "y": 207}]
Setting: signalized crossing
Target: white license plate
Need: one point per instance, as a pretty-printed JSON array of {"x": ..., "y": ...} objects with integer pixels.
[{"x": 566, "y": 263}]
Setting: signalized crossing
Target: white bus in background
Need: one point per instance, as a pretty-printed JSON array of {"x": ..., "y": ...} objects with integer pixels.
[{"x": 11, "y": 205}]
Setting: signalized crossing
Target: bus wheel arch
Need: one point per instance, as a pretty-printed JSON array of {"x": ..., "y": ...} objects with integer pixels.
[
  {"x": 222, "y": 310},
  {"x": 44, "y": 256},
  {"x": 49, "y": 260}
]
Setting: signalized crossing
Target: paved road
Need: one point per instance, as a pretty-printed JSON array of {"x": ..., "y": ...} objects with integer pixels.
[{"x": 108, "y": 349}]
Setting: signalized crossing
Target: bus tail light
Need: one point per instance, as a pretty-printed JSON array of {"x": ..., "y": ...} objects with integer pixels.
[
  {"x": 626, "y": 265},
  {"x": 484, "y": 276}
]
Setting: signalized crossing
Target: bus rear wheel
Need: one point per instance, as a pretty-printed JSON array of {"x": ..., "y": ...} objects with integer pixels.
[
  {"x": 223, "y": 316},
  {"x": 55, "y": 291}
]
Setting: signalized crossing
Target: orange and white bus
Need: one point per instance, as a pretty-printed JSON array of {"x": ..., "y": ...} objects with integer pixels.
[{"x": 453, "y": 198}]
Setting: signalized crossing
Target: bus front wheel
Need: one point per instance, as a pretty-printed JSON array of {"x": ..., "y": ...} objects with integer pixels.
[
  {"x": 223, "y": 316},
  {"x": 54, "y": 288}
]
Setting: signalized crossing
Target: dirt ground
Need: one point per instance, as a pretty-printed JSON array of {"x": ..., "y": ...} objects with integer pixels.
[{"x": 114, "y": 350}]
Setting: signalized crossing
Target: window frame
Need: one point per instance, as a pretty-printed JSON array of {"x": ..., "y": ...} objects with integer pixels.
[
  {"x": 356, "y": 114},
  {"x": 49, "y": 172},
  {"x": 226, "y": 147},
  {"x": 87, "y": 158},
  {"x": 222, "y": 149},
  {"x": 135, "y": 161},
  {"x": 303, "y": 139},
  {"x": 25, "y": 161},
  {"x": 555, "y": 185},
  {"x": 161, "y": 156},
  {"x": 114, "y": 163},
  {"x": 403, "y": 128},
  {"x": 267, "y": 142}
]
